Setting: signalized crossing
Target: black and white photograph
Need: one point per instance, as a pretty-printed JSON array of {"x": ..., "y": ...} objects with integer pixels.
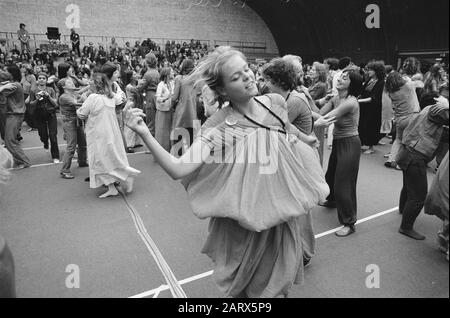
[{"x": 240, "y": 150}]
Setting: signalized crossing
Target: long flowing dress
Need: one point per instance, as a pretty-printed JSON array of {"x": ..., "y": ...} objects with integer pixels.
[
  {"x": 370, "y": 114},
  {"x": 108, "y": 160},
  {"x": 256, "y": 237}
]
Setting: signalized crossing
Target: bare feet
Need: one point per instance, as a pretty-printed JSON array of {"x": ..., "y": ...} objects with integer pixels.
[
  {"x": 112, "y": 192},
  {"x": 127, "y": 186}
]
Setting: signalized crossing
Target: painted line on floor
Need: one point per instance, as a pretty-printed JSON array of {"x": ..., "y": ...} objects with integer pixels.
[
  {"x": 155, "y": 292},
  {"x": 73, "y": 161},
  {"x": 42, "y": 147}
]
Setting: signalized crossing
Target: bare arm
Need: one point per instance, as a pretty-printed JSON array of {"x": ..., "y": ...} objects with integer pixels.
[
  {"x": 345, "y": 107},
  {"x": 365, "y": 100},
  {"x": 307, "y": 139},
  {"x": 176, "y": 168}
]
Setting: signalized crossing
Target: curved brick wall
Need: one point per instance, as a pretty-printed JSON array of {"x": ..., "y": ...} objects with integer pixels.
[{"x": 173, "y": 19}]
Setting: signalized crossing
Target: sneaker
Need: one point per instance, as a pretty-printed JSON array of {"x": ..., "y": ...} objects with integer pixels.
[
  {"x": 56, "y": 161},
  {"x": 67, "y": 175},
  {"x": 83, "y": 165},
  {"x": 387, "y": 155},
  {"x": 46, "y": 146},
  {"x": 130, "y": 150},
  {"x": 369, "y": 152}
]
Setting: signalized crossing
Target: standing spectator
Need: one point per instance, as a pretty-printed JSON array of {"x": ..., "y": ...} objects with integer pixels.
[
  {"x": 3, "y": 48},
  {"x": 433, "y": 79},
  {"x": 184, "y": 101},
  {"x": 318, "y": 89},
  {"x": 113, "y": 47},
  {"x": 75, "y": 38},
  {"x": 15, "y": 110},
  {"x": 148, "y": 86},
  {"x": 370, "y": 104},
  {"x": 163, "y": 118},
  {"x": 24, "y": 38}
]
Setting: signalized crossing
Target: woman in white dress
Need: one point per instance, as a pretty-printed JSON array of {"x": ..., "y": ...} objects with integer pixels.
[{"x": 108, "y": 162}]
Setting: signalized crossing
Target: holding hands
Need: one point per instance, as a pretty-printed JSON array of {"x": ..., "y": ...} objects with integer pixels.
[
  {"x": 134, "y": 119},
  {"x": 325, "y": 121}
]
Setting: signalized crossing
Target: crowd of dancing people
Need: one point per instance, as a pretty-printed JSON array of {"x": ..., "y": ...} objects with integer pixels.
[{"x": 109, "y": 107}]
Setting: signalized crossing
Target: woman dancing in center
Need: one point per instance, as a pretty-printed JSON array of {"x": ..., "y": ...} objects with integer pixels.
[{"x": 255, "y": 237}]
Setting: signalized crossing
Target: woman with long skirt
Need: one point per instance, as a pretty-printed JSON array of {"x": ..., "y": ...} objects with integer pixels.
[
  {"x": 254, "y": 205},
  {"x": 371, "y": 107},
  {"x": 108, "y": 162},
  {"x": 163, "y": 118}
]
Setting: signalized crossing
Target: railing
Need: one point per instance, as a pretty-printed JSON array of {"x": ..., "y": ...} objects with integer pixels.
[{"x": 37, "y": 39}]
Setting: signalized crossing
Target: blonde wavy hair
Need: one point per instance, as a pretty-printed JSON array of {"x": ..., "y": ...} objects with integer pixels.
[
  {"x": 6, "y": 162},
  {"x": 209, "y": 70}
]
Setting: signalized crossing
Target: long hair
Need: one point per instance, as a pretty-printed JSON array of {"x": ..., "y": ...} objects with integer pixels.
[
  {"x": 209, "y": 69},
  {"x": 379, "y": 69},
  {"x": 101, "y": 86},
  {"x": 411, "y": 66},
  {"x": 165, "y": 74},
  {"x": 186, "y": 67},
  {"x": 322, "y": 71},
  {"x": 433, "y": 75},
  {"x": 137, "y": 98},
  {"x": 356, "y": 83}
]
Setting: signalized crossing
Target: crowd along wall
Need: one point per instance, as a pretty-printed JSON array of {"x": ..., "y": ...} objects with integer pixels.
[{"x": 162, "y": 19}]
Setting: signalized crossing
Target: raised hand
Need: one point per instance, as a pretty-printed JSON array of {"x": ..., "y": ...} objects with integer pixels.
[{"x": 134, "y": 119}]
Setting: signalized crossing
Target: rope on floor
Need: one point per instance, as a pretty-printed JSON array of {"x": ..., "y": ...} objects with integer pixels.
[{"x": 173, "y": 284}]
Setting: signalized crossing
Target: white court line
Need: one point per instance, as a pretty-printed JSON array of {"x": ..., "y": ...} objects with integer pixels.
[
  {"x": 73, "y": 161},
  {"x": 155, "y": 292},
  {"x": 42, "y": 147}
]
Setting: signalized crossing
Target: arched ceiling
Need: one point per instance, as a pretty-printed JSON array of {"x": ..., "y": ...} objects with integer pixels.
[{"x": 317, "y": 29}]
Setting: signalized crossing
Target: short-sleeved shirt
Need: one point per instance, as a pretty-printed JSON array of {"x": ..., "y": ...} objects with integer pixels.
[
  {"x": 15, "y": 101},
  {"x": 299, "y": 112},
  {"x": 405, "y": 101},
  {"x": 67, "y": 104}
]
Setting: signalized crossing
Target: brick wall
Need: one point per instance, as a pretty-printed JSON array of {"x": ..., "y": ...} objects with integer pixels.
[{"x": 157, "y": 19}]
